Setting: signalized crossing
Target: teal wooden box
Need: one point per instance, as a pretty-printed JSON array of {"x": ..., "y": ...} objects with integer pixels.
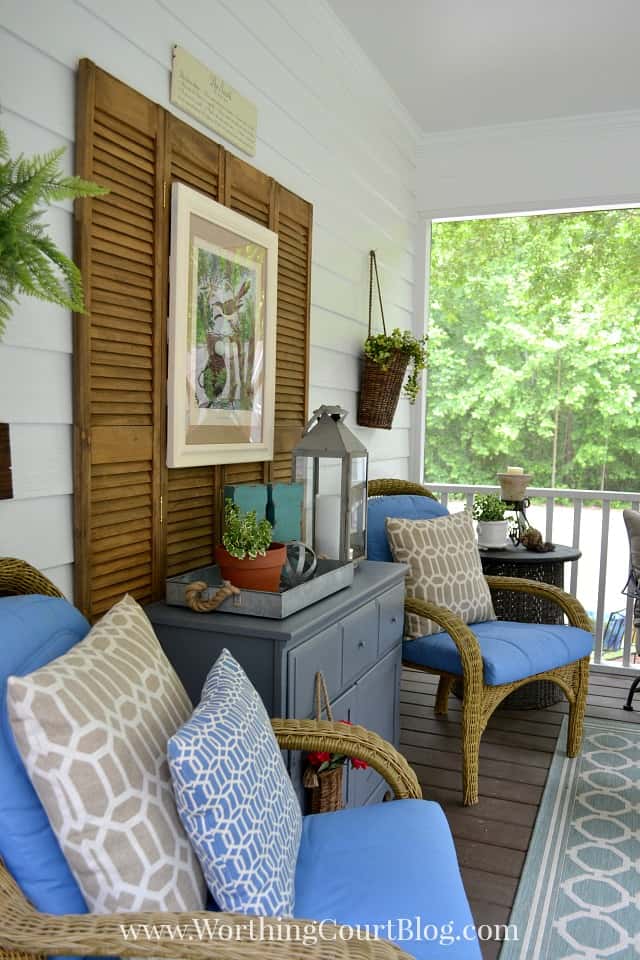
[{"x": 280, "y": 503}]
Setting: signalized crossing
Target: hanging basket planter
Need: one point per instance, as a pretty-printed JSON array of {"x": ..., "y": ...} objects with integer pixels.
[
  {"x": 384, "y": 367},
  {"x": 380, "y": 389}
]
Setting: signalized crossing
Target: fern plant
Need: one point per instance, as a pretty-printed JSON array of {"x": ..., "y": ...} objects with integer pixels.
[{"x": 30, "y": 262}]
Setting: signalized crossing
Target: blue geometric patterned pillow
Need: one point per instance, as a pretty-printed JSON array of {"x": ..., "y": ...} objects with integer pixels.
[{"x": 235, "y": 798}]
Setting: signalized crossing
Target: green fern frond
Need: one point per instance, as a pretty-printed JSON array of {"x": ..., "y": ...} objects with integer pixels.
[{"x": 30, "y": 262}]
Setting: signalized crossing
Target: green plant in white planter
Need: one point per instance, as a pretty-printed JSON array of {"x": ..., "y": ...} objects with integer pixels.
[
  {"x": 493, "y": 529},
  {"x": 30, "y": 262}
]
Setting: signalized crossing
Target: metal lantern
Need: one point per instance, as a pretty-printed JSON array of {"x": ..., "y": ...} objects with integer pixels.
[{"x": 332, "y": 464}]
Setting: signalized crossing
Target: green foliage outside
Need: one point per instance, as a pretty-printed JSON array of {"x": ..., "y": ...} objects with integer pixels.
[
  {"x": 30, "y": 262},
  {"x": 534, "y": 350}
]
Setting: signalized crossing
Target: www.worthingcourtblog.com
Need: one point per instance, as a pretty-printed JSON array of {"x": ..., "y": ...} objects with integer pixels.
[{"x": 307, "y": 933}]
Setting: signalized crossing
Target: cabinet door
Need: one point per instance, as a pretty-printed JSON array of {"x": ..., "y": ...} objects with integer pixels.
[
  {"x": 322, "y": 653},
  {"x": 377, "y": 708}
]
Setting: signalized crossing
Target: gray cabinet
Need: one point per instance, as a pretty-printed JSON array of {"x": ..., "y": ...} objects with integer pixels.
[{"x": 353, "y": 637}]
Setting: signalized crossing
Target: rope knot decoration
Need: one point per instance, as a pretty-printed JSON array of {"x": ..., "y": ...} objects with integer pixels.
[{"x": 195, "y": 591}]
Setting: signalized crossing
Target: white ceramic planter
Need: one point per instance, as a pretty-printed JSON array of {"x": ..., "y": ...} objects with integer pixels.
[{"x": 492, "y": 533}]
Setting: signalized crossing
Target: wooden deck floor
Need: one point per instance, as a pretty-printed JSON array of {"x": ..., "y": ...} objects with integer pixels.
[{"x": 515, "y": 754}]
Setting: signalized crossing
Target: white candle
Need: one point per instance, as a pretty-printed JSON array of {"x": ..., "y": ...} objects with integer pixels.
[
  {"x": 515, "y": 471},
  {"x": 327, "y": 540}
]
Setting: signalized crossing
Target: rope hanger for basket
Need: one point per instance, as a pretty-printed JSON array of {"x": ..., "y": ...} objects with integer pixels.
[
  {"x": 322, "y": 698},
  {"x": 321, "y": 701},
  {"x": 373, "y": 269},
  {"x": 384, "y": 366}
]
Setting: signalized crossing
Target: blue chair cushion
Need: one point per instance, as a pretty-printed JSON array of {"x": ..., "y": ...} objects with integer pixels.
[
  {"x": 234, "y": 796},
  {"x": 34, "y": 631},
  {"x": 382, "y": 864},
  {"x": 405, "y": 506},
  {"x": 510, "y": 651}
]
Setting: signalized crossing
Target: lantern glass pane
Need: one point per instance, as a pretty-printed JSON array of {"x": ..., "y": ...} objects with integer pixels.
[
  {"x": 358, "y": 506},
  {"x": 328, "y": 509},
  {"x": 303, "y": 473}
]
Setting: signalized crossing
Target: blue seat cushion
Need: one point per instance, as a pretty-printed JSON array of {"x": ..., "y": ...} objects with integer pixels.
[
  {"x": 34, "y": 631},
  {"x": 381, "y": 864},
  {"x": 405, "y": 506},
  {"x": 510, "y": 651}
]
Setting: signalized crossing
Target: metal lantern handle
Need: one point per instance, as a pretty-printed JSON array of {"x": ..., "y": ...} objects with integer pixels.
[{"x": 337, "y": 413}]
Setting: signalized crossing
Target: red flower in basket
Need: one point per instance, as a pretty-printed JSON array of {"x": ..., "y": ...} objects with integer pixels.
[{"x": 321, "y": 760}]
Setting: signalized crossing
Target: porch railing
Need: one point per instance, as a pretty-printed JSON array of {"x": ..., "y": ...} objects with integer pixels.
[{"x": 598, "y": 545}]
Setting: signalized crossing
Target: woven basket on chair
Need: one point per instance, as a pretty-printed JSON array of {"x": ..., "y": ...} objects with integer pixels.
[
  {"x": 328, "y": 795},
  {"x": 325, "y": 789}
]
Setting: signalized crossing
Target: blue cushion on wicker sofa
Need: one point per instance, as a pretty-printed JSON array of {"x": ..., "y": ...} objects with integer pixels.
[
  {"x": 383, "y": 863},
  {"x": 510, "y": 651},
  {"x": 405, "y": 506},
  {"x": 34, "y": 630}
]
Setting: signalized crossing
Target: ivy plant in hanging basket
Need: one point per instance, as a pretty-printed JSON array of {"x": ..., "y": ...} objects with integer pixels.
[{"x": 387, "y": 356}]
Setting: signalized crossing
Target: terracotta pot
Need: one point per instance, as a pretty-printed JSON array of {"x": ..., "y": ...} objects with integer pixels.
[{"x": 263, "y": 573}]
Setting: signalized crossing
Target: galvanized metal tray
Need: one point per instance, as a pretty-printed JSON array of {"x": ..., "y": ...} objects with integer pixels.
[{"x": 330, "y": 576}]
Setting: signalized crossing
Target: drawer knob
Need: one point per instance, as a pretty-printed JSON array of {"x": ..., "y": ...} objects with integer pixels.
[
  {"x": 362, "y": 643},
  {"x": 394, "y": 619}
]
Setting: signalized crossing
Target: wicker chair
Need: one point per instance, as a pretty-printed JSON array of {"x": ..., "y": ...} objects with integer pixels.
[
  {"x": 25, "y": 933},
  {"x": 479, "y": 700}
]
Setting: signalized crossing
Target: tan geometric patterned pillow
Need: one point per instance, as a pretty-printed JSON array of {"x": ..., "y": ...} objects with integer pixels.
[
  {"x": 444, "y": 568},
  {"x": 92, "y": 728}
]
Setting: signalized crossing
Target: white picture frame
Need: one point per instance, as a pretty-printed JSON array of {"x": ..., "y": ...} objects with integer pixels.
[{"x": 222, "y": 334}]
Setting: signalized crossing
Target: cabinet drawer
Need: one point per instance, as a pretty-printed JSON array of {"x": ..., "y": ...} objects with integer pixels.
[
  {"x": 359, "y": 642},
  {"x": 322, "y": 653},
  {"x": 391, "y": 617}
]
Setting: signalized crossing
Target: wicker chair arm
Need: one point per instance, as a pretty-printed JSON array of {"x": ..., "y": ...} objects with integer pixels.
[
  {"x": 465, "y": 641},
  {"x": 392, "y": 487},
  {"x": 202, "y": 936},
  {"x": 352, "y": 741},
  {"x": 574, "y": 610},
  {"x": 18, "y": 578}
]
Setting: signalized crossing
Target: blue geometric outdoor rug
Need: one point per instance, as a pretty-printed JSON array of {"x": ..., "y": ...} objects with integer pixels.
[{"x": 579, "y": 896}]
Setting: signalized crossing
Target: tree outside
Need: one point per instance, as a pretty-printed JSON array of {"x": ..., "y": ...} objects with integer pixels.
[{"x": 534, "y": 350}]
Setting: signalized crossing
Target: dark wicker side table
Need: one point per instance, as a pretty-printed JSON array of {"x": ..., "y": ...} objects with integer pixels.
[{"x": 525, "y": 608}]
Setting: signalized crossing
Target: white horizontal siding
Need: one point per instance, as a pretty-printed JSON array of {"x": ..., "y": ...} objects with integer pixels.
[{"x": 328, "y": 128}]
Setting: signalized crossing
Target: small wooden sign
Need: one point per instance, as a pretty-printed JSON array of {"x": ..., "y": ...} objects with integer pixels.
[
  {"x": 204, "y": 95},
  {"x": 6, "y": 485}
]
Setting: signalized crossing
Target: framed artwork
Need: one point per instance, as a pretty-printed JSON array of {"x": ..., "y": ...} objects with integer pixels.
[{"x": 222, "y": 334}]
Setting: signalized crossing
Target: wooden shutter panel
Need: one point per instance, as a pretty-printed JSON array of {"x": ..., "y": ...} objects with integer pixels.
[
  {"x": 136, "y": 521},
  {"x": 192, "y": 497},
  {"x": 251, "y": 193},
  {"x": 117, "y": 415},
  {"x": 293, "y": 223}
]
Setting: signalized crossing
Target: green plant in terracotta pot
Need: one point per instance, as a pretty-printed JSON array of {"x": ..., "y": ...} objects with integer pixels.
[
  {"x": 248, "y": 558},
  {"x": 493, "y": 529}
]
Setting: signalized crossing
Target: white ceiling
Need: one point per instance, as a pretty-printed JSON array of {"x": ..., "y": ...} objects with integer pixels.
[{"x": 468, "y": 63}]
